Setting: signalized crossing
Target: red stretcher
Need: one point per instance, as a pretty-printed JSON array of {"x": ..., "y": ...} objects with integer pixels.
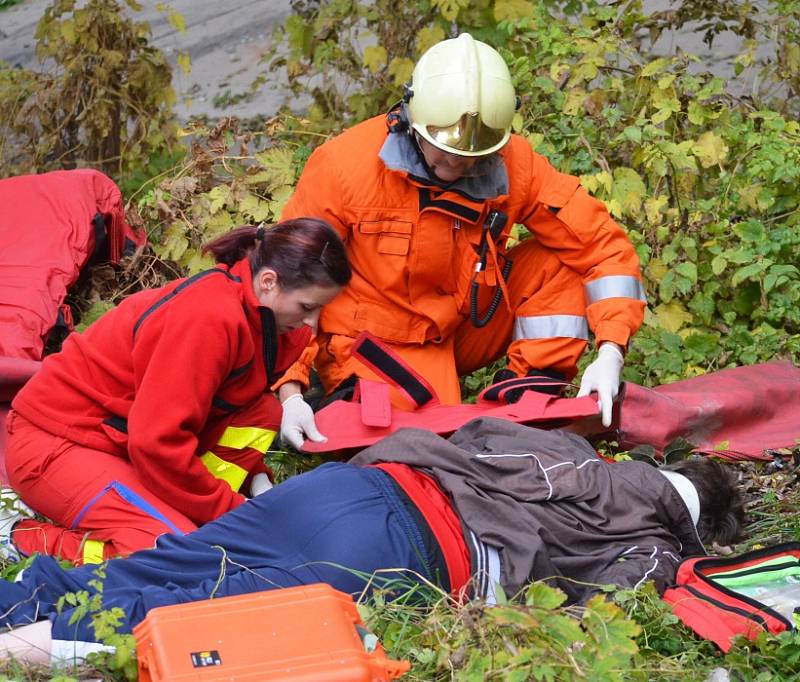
[
  {"x": 370, "y": 416},
  {"x": 51, "y": 226},
  {"x": 738, "y": 413}
]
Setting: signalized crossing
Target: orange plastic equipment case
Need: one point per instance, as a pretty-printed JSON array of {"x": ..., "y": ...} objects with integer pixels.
[{"x": 307, "y": 633}]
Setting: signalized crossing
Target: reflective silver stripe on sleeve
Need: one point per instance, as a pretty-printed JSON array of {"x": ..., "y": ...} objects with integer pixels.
[
  {"x": 614, "y": 286},
  {"x": 551, "y": 326}
]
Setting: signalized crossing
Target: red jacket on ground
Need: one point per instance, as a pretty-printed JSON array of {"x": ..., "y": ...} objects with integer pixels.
[{"x": 147, "y": 379}]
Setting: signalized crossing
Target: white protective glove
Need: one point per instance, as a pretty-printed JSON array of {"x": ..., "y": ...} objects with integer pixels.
[
  {"x": 298, "y": 422},
  {"x": 603, "y": 376},
  {"x": 259, "y": 484}
]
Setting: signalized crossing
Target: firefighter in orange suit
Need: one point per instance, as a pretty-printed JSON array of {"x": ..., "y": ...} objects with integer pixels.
[{"x": 425, "y": 199}]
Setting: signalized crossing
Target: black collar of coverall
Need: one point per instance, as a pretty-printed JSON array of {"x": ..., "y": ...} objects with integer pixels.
[{"x": 269, "y": 342}]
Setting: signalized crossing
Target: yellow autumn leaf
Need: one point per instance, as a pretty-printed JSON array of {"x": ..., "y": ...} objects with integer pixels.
[
  {"x": 665, "y": 81},
  {"x": 655, "y": 66},
  {"x": 605, "y": 179},
  {"x": 512, "y": 10},
  {"x": 196, "y": 261},
  {"x": 68, "y": 31},
  {"x": 656, "y": 269},
  {"x": 428, "y": 37},
  {"x": 694, "y": 371},
  {"x": 614, "y": 208},
  {"x": 254, "y": 208},
  {"x": 534, "y": 140},
  {"x": 279, "y": 167},
  {"x": 375, "y": 57},
  {"x": 792, "y": 53},
  {"x": 672, "y": 316},
  {"x": 710, "y": 149},
  {"x": 652, "y": 209},
  {"x": 589, "y": 183},
  {"x": 557, "y": 71},
  {"x": 184, "y": 62},
  {"x": 629, "y": 190},
  {"x": 173, "y": 242},
  {"x": 177, "y": 20},
  {"x": 220, "y": 197},
  {"x": 218, "y": 224},
  {"x": 574, "y": 101},
  {"x": 280, "y": 197},
  {"x": 748, "y": 197},
  {"x": 449, "y": 8},
  {"x": 400, "y": 69}
]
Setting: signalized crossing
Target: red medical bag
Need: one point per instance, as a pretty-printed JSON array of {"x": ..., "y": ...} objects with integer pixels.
[{"x": 722, "y": 597}]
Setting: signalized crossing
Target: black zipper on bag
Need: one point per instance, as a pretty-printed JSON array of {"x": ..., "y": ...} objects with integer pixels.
[{"x": 726, "y": 607}]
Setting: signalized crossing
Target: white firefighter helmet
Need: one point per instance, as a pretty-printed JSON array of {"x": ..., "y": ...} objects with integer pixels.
[{"x": 462, "y": 99}]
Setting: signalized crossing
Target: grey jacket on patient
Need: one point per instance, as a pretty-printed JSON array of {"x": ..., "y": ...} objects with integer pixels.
[{"x": 550, "y": 506}]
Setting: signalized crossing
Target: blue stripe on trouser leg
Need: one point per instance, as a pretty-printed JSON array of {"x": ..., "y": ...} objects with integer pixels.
[
  {"x": 337, "y": 524},
  {"x": 131, "y": 497}
]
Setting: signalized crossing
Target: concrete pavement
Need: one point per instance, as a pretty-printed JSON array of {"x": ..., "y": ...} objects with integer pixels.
[{"x": 224, "y": 38}]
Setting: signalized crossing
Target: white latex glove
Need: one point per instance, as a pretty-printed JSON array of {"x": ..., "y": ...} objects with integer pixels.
[
  {"x": 603, "y": 376},
  {"x": 297, "y": 422},
  {"x": 259, "y": 484}
]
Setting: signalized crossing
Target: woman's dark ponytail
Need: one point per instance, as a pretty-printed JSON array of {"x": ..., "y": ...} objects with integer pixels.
[{"x": 302, "y": 251}]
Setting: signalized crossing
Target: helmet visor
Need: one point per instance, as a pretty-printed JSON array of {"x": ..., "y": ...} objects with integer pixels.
[{"x": 467, "y": 134}]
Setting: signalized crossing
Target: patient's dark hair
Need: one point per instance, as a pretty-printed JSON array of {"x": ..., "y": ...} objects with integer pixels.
[{"x": 721, "y": 504}]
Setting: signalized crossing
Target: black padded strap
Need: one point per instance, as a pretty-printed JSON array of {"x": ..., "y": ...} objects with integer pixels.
[{"x": 374, "y": 355}]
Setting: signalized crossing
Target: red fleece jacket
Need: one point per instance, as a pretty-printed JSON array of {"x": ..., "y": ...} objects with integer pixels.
[{"x": 146, "y": 379}]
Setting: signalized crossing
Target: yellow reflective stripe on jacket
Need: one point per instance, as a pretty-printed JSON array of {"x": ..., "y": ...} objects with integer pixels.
[
  {"x": 93, "y": 551},
  {"x": 241, "y": 437},
  {"x": 232, "y": 474}
]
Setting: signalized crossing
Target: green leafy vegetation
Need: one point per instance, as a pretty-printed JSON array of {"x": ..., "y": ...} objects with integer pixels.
[{"x": 702, "y": 172}]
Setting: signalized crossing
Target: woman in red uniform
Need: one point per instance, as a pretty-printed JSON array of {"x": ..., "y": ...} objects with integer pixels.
[{"x": 156, "y": 418}]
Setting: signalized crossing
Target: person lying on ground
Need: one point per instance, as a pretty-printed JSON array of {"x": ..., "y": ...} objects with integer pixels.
[
  {"x": 157, "y": 417},
  {"x": 497, "y": 503}
]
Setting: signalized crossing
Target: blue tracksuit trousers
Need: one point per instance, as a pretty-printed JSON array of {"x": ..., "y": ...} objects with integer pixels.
[{"x": 337, "y": 524}]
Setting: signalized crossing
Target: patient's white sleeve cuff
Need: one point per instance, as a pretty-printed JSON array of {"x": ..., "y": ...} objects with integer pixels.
[{"x": 67, "y": 652}]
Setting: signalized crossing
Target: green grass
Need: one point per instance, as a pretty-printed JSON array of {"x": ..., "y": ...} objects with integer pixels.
[{"x": 5, "y": 4}]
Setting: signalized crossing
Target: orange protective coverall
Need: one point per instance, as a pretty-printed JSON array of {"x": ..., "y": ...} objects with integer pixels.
[{"x": 413, "y": 249}]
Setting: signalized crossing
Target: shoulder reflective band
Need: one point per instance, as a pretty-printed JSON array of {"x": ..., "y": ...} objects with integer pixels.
[
  {"x": 241, "y": 437},
  {"x": 93, "y": 552},
  {"x": 550, "y": 327},
  {"x": 614, "y": 286}
]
